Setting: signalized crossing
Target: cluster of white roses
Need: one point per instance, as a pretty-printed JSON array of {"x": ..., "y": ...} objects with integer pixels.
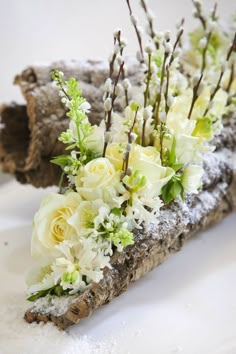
[{"x": 123, "y": 171}]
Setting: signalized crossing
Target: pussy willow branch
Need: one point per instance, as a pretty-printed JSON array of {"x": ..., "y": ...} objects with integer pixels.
[
  {"x": 109, "y": 113},
  {"x": 146, "y": 95},
  {"x": 177, "y": 43},
  {"x": 123, "y": 71},
  {"x": 167, "y": 88},
  {"x": 200, "y": 15},
  {"x": 148, "y": 79},
  {"x": 231, "y": 78},
  {"x": 126, "y": 161},
  {"x": 150, "y": 23},
  {"x": 196, "y": 87},
  {"x": 158, "y": 97},
  {"x": 161, "y": 141},
  {"x": 213, "y": 15},
  {"x": 137, "y": 32},
  {"x": 212, "y": 96}
]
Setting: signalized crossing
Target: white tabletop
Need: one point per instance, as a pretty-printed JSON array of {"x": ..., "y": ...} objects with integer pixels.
[{"x": 187, "y": 305}]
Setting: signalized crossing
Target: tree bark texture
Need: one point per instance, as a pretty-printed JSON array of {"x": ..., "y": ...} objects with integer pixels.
[
  {"x": 177, "y": 223},
  {"x": 29, "y": 138}
]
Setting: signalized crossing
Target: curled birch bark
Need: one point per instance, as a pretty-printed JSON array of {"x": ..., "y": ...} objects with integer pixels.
[
  {"x": 178, "y": 223},
  {"x": 29, "y": 138},
  {"x": 43, "y": 118}
]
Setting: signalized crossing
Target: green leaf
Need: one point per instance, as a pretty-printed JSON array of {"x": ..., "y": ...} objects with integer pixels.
[
  {"x": 203, "y": 128},
  {"x": 40, "y": 294},
  {"x": 116, "y": 211},
  {"x": 165, "y": 193},
  {"x": 55, "y": 290},
  {"x": 177, "y": 166},
  {"x": 61, "y": 160},
  {"x": 172, "y": 189}
]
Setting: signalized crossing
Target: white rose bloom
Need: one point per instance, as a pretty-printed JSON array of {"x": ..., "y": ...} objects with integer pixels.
[
  {"x": 51, "y": 226},
  {"x": 187, "y": 148},
  {"x": 147, "y": 161},
  {"x": 180, "y": 125},
  {"x": 191, "y": 178},
  {"x": 148, "y": 153},
  {"x": 98, "y": 180},
  {"x": 114, "y": 154}
]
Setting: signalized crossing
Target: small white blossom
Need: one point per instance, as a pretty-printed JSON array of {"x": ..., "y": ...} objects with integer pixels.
[
  {"x": 147, "y": 113},
  {"x": 126, "y": 84},
  {"x": 202, "y": 43},
  {"x": 200, "y": 89},
  {"x": 117, "y": 33},
  {"x": 107, "y": 104},
  {"x": 163, "y": 117},
  {"x": 150, "y": 15},
  {"x": 85, "y": 107},
  {"x": 116, "y": 49},
  {"x": 119, "y": 90},
  {"x": 149, "y": 49},
  {"x": 168, "y": 48},
  {"x": 108, "y": 85},
  {"x": 134, "y": 20},
  {"x": 170, "y": 100},
  {"x": 167, "y": 35},
  {"x": 195, "y": 79},
  {"x": 211, "y": 25},
  {"x": 139, "y": 56}
]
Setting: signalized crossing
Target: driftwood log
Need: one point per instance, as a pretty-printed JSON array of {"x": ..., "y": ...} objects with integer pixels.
[
  {"x": 29, "y": 137},
  {"x": 178, "y": 223}
]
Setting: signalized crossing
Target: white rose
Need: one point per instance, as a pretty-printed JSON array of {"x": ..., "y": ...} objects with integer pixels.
[
  {"x": 114, "y": 154},
  {"x": 51, "y": 227},
  {"x": 147, "y": 161},
  {"x": 191, "y": 178},
  {"x": 187, "y": 148},
  {"x": 98, "y": 180}
]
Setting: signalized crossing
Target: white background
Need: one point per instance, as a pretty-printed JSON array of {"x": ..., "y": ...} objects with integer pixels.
[
  {"x": 185, "y": 306},
  {"x": 41, "y": 31}
]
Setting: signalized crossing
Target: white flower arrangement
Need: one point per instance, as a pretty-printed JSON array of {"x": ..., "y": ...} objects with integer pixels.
[{"x": 121, "y": 173}]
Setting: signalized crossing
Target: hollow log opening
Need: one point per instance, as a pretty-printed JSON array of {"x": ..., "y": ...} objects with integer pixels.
[{"x": 14, "y": 137}]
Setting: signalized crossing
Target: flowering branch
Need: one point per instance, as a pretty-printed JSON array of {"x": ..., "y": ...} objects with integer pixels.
[
  {"x": 150, "y": 18},
  {"x": 108, "y": 106},
  {"x": 196, "y": 80},
  {"x": 137, "y": 31},
  {"x": 223, "y": 67},
  {"x": 131, "y": 138}
]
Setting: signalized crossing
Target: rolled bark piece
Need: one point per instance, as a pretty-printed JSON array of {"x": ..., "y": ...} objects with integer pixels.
[
  {"x": 43, "y": 117},
  {"x": 177, "y": 223}
]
